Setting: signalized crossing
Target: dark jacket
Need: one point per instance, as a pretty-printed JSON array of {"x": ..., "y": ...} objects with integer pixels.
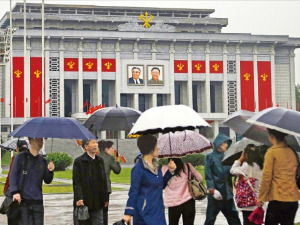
[
  {"x": 37, "y": 172},
  {"x": 109, "y": 164},
  {"x": 131, "y": 81},
  {"x": 218, "y": 176},
  {"x": 145, "y": 202},
  {"x": 89, "y": 181}
]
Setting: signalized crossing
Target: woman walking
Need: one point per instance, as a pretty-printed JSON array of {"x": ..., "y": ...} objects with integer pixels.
[
  {"x": 249, "y": 165},
  {"x": 145, "y": 202},
  {"x": 278, "y": 186},
  {"x": 177, "y": 196}
]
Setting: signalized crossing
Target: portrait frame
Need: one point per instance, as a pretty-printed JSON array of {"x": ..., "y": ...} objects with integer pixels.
[
  {"x": 161, "y": 81},
  {"x": 130, "y": 81}
]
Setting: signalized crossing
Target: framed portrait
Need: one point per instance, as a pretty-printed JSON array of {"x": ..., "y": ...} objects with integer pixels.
[
  {"x": 155, "y": 75},
  {"x": 135, "y": 75}
]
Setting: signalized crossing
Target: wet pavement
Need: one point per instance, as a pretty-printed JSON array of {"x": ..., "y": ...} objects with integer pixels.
[{"x": 59, "y": 209}]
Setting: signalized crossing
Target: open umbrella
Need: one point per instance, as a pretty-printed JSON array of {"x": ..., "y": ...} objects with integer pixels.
[
  {"x": 112, "y": 118},
  {"x": 238, "y": 122},
  {"x": 182, "y": 143},
  {"x": 278, "y": 118},
  {"x": 168, "y": 118},
  {"x": 11, "y": 144},
  {"x": 52, "y": 127},
  {"x": 234, "y": 151}
]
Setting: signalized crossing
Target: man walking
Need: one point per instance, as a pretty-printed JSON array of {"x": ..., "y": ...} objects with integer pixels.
[
  {"x": 28, "y": 172},
  {"x": 89, "y": 184}
]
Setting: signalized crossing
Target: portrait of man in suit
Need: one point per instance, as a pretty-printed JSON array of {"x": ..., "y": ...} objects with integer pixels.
[
  {"x": 155, "y": 75},
  {"x": 136, "y": 75}
]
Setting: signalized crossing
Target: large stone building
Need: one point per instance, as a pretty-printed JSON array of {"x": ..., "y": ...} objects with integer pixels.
[{"x": 90, "y": 53}]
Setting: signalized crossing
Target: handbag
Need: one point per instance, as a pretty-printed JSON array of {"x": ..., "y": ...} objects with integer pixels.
[
  {"x": 245, "y": 194},
  {"x": 257, "y": 216},
  {"x": 81, "y": 212},
  {"x": 197, "y": 188}
]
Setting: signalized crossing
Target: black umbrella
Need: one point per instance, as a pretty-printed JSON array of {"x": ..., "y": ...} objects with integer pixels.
[{"x": 112, "y": 118}]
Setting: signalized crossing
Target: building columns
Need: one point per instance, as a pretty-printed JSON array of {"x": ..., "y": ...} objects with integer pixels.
[
  {"x": 255, "y": 53},
  {"x": 225, "y": 78},
  {"x": 273, "y": 75},
  {"x": 61, "y": 80},
  {"x": 190, "y": 77},
  {"x": 172, "y": 80},
  {"x": 27, "y": 81},
  {"x": 238, "y": 77},
  {"x": 118, "y": 73},
  {"x": 79, "y": 108},
  {"x": 207, "y": 79},
  {"x": 47, "y": 77},
  {"x": 292, "y": 74},
  {"x": 154, "y": 96},
  {"x": 99, "y": 74}
]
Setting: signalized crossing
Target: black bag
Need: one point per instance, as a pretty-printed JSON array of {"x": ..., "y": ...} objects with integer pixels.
[
  {"x": 5, "y": 204},
  {"x": 81, "y": 212}
]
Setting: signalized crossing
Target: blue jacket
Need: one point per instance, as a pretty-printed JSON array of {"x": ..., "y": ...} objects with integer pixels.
[
  {"x": 37, "y": 172},
  {"x": 218, "y": 176},
  {"x": 145, "y": 202}
]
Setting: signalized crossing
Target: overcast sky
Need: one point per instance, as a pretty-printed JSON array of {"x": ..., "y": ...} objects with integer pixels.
[{"x": 255, "y": 17}]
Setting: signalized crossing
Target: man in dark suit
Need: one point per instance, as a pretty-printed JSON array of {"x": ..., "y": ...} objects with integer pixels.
[{"x": 135, "y": 73}]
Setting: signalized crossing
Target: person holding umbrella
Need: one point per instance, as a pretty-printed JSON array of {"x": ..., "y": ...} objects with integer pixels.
[
  {"x": 278, "y": 186},
  {"x": 177, "y": 196},
  {"x": 145, "y": 202},
  {"x": 110, "y": 164},
  {"x": 219, "y": 184}
]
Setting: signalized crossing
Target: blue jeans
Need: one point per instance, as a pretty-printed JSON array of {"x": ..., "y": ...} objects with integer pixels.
[
  {"x": 31, "y": 214},
  {"x": 227, "y": 207},
  {"x": 96, "y": 218}
]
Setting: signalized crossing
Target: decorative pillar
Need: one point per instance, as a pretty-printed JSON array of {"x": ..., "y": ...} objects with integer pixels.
[
  {"x": 171, "y": 73},
  {"x": 99, "y": 73},
  {"x": 207, "y": 79},
  {"x": 190, "y": 77},
  {"x": 118, "y": 73},
  {"x": 154, "y": 52},
  {"x": 136, "y": 50},
  {"x": 238, "y": 76},
  {"x": 273, "y": 75},
  {"x": 61, "y": 79},
  {"x": 136, "y": 101},
  {"x": 27, "y": 81},
  {"x": 225, "y": 78},
  {"x": 255, "y": 53},
  {"x": 216, "y": 128},
  {"x": 292, "y": 74},
  {"x": 154, "y": 100},
  {"x": 47, "y": 77},
  {"x": 80, "y": 78}
]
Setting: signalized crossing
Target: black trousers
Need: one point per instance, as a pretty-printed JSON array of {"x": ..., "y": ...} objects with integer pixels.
[
  {"x": 246, "y": 214},
  {"x": 187, "y": 210},
  {"x": 281, "y": 213},
  {"x": 31, "y": 214},
  {"x": 105, "y": 214}
]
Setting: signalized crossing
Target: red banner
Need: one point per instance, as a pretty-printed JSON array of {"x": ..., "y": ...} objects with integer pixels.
[
  {"x": 89, "y": 65},
  {"x": 108, "y": 65},
  {"x": 247, "y": 86},
  {"x": 264, "y": 85},
  {"x": 18, "y": 86},
  {"x": 180, "y": 66},
  {"x": 35, "y": 86},
  {"x": 216, "y": 66},
  {"x": 71, "y": 64},
  {"x": 198, "y": 66}
]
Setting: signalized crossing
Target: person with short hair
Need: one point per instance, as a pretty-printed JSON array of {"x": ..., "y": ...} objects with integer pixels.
[
  {"x": 135, "y": 76},
  {"x": 145, "y": 202},
  {"x": 90, "y": 184},
  {"x": 278, "y": 185},
  {"x": 38, "y": 171},
  {"x": 110, "y": 164},
  {"x": 219, "y": 184},
  {"x": 155, "y": 73}
]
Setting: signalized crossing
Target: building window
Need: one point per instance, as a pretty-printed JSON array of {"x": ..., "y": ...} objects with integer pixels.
[
  {"x": 54, "y": 64},
  {"x": 231, "y": 67},
  {"x": 54, "y": 96},
  {"x": 177, "y": 93},
  {"x": 195, "y": 97},
  {"x": 231, "y": 90},
  {"x": 110, "y": 134},
  {"x": 68, "y": 98},
  {"x": 105, "y": 92},
  {"x": 86, "y": 95},
  {"x": 162, "y": 99},
  {"x": 124, "y": 100},
  {"x": 216, "y": 97},
  {"x": 199, "y": 100}
]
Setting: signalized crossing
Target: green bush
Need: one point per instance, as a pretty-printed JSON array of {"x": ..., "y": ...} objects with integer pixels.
[
  {"x": 194, "y": 159},
  {"x": 61, "y": 160}
]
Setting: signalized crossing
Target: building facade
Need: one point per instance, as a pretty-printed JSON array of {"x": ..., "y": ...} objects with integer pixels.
[{"x": 91, "y": 54}]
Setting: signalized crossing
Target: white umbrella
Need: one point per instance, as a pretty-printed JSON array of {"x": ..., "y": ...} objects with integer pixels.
[
  {"x": 11, "y": 144},
  {"x": 168, "y": 118}
]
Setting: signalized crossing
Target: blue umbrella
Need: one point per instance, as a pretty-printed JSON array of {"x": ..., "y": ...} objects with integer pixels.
[
  {"x": 280, "y": 119},
  {"x": 53, "y": 127}
]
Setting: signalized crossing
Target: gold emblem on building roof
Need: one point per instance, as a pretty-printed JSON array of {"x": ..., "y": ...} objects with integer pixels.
[
  {"x": 216, "y": 67},
  {"x": 89, "y": 65},
  {"x": 180, "y": 66},
  {"x": 71, "y": 64},
  {"x": 108, "y": 65},
  {"x": 146, "y": 19},
  {"x": 198, "y": 66}
]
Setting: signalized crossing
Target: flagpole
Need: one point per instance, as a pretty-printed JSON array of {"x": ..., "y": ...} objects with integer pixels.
[
  {"x": 11, "y": 73},
  {"x": 25, "y": 75},
  {"x": 43, "y": 53}
]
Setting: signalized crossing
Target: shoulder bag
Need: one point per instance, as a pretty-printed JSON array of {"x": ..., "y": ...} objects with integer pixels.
[{"x": 197, "y": 188}]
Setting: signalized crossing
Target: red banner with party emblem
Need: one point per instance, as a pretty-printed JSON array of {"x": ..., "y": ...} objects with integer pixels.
[
  {"x": 198, "y": 66},
  {"x": 89, "y": 65},
  {"x": 247, "y": 86},
  {"x": 18, "y": 86},
  {"x": 180, "y": 66},
  {"x": 71, "y": 64},
  {"x": 216, "y": 66},
  {"x": 264, "y": 85},
  {"x": 108, "y": 65},
  {"x": 36, "y": 87}
]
